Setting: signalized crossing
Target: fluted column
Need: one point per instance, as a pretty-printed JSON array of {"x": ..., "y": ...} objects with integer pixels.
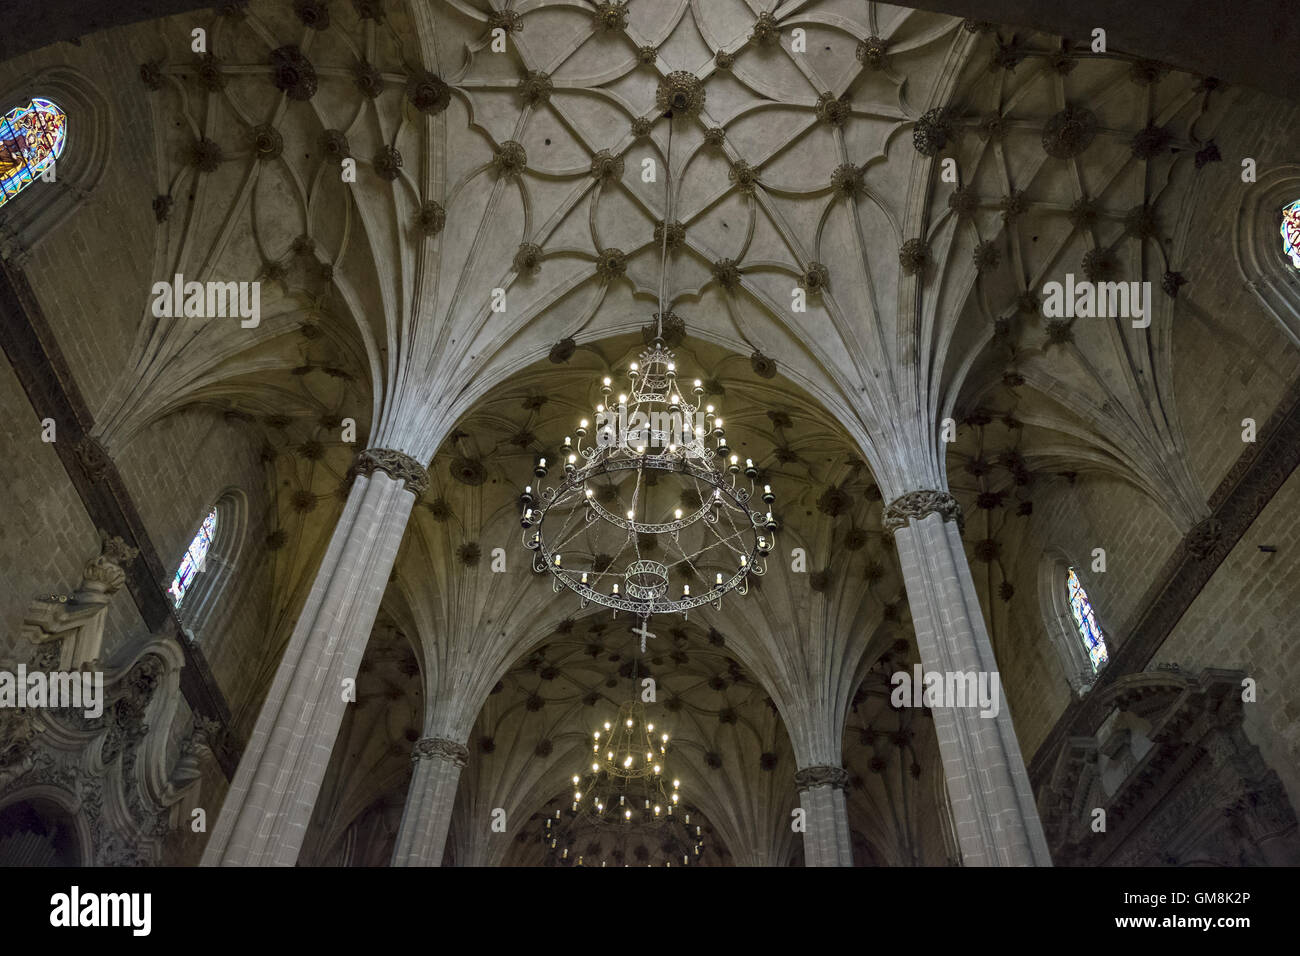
[
  {"x": 422, "y": 837},
  {"x": 826, "y": 840},
  {"x": 266, "y": 811},
  {"x": 988, "y": 788}
]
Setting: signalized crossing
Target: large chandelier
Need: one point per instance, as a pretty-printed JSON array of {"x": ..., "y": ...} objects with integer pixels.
[
  {"x": 651, "y": 516},
  {"x": 623, "y": 795}
]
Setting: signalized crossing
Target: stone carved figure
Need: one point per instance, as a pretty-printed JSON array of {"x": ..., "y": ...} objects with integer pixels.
[{"x": 78, "y": 620}]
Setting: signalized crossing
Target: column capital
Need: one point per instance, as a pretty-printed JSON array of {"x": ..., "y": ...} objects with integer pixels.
[
  {"x": 825, "y": 776},
  {"x": 396, "y": 465},
  {"x": 918, "y": 504},
  {"x": 441, "y": 747}
]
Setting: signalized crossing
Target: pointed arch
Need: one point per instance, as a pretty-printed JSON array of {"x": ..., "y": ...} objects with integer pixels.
[{"x": 219, "y": 536}]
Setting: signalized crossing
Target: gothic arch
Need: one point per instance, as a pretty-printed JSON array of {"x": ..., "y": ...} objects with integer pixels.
[
  {"x": 1264, "y": 267},
  {"x": 26, "y": 220},
  {"x": 67, "y": 840},
  {"x": 204, "y": 597},
  {"x": 1058, "y": 620}
]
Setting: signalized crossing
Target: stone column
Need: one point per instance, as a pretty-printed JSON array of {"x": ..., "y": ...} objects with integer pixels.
[
  {"x": 826, "y": 840},
  {"x": 988, "y": 788},
  {"x": 269, "y": 804},
  {"x": 422, "y": 837}
]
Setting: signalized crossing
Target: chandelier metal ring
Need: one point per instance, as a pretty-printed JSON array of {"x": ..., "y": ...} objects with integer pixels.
[{"x": 656, "y": 433}]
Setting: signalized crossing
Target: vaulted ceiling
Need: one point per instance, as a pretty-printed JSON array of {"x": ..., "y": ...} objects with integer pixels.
[{"x": 841, "y": 286}]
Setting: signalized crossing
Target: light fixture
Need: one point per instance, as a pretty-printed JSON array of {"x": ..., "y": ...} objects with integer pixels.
[
  {"x": 644, "y": 808},
  {"x": 659, "y": 490}
]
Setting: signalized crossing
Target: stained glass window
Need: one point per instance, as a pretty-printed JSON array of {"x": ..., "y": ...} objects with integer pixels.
[
  {"x": 195, "y": 555},
  {"x": 31, "y": 139},
  {"x": 1093, "y": 641},
  {"x": 1291, "y": 232}
]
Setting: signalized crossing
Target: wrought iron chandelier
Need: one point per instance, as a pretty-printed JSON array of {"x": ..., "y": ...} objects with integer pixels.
[
  {"x": 652, "y": 516},
  {"x": 623, "y": 795}
]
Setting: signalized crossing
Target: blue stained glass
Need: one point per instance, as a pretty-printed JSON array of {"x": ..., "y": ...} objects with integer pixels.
[
  {"x": 192, "y": 563},
  {"x": 31, "y": 139},
  {"x": 1291, "y": 232},
  {"x": 1086, "y": 622}
]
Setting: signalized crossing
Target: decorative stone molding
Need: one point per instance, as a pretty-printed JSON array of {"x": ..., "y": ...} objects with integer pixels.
[
  {"x": 92, "y": 458},
  {"x": 682, "y": 93},
  {"x": 917, "y": 504},
  {"x": 78, "y": 621},
  {"x": 872, "y": 52},
  {"x": 396, "y": 465},
  {"x": 1204, "y": 537},
  {"x": 292, "y": 73},
  {"x": 811, "y": 777},
  {"x": 442, "y": 748},
  {"x": 1180, "y": 781},
  {"x": 111, "y": 771}
]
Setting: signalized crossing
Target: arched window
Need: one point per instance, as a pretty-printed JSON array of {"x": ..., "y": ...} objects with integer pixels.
[
  {"x": 195, "y": 559},
  {"x": 1094, "y": 642},
  {"x": 1291, "y": 232},
  {"x": 31, "y": 139},
  {"x": 1070, "y": 620},
  {"x": 207, "y": 565}
]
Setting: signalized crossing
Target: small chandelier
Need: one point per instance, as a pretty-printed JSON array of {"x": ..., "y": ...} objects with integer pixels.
[
  {"x": 651, "y": 516},
  {"x": 624, "y": 791}
]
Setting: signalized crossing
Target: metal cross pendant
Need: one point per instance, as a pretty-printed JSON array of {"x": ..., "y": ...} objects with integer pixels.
[{"x": 643, "y": 632}]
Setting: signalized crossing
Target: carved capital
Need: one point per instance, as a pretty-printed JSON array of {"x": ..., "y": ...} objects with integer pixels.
[
  {"x": 441, "y": 747},
  {"x": 811, "y": 777},
  {"x": 396, "y": 465},
  {"x": 917, "y": 504}
]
